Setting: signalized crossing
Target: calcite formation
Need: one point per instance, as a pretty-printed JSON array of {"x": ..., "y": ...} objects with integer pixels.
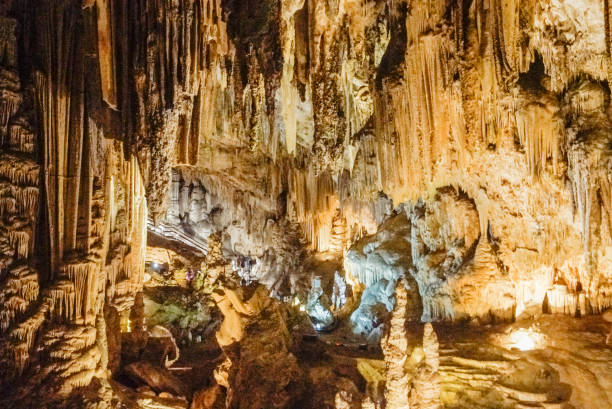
[
  {"x": 420, "y": 160},
  {"x": 426, "y": 385},
  {"x": 395, "y": 348}
]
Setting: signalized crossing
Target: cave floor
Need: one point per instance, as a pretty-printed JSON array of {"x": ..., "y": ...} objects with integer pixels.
[
  {"x": 551, "y": 361},
  {"x": 548, "y": 362}
]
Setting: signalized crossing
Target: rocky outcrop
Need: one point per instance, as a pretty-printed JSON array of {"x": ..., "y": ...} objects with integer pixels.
[
  {"x": 210, "y": 398},
  {"x": 162, "y": 340},
  {"x": 461, "y": 271},
  {"x": 257, "y": 345},
  {"x": 157, "y": 378}
]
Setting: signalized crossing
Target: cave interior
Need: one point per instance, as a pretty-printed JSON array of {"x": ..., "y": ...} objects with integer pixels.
[{"x": 305, "y": 204}]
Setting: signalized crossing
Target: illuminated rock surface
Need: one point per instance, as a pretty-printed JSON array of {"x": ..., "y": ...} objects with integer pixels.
[{"x": 305, "y": 204}]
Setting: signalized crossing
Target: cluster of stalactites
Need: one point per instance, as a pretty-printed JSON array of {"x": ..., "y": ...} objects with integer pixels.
[
  {"x": 540, "y": 132},
  {"x": 309, "y": 35},
  {"x": 573, "y": 39},
  {"x": 178, "y": 90},
  {"x": 330, "y": 221},
  {"x": 19, "y": 197},
  {"x": 418, "y": 118},
  {"x": 423, "y": 138}
]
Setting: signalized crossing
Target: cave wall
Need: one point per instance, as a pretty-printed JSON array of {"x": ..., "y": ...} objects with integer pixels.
[{"x": 74, "y": 214}]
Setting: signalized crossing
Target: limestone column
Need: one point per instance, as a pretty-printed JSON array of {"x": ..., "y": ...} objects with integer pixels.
[{"x": 395, "y": 348}]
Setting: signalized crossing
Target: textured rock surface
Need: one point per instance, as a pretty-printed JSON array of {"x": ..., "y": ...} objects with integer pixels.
[
  {"x": 395, "y": 348},
  {"x": 159, "y": 379},
  {"x": 260, "y": 369}
]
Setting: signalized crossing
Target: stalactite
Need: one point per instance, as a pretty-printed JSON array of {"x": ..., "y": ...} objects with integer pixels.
[
  {"x": 18, "y": 171},
  {"x": 20, "y": 289},
  {"x": 27, "y": 200},
  {"x": 62, "y": 300},
  {"x": 539, "y": 132},
  {"x": 9, "y": 105},
  {"x": 289, "y": 92},
  {"x": 20, "y": 138},
  {"x": 25, "y": 332},
  {"x": 358, "y": 103},
  {"x": 21, "y": 241},
  {"x": 106, "y": 38},
  {"x": 318, "y": 201},
  {"x": 439, "y": 309},
  {"x": 561, "y": 301},
  {"x": 24, "y": 281},
  {"x": 584, "y": 183},
  {"x": 82, "y": 274},
  {"x": 602, "y": 300},
  {"x": 8, "y": 205}
]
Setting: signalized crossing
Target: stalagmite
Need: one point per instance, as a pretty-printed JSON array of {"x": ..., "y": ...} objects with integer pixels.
[
  {"x": 395, "y": 348},
  {"x": 367, "y": 403},
  {"x": 426, "y": 384}
]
